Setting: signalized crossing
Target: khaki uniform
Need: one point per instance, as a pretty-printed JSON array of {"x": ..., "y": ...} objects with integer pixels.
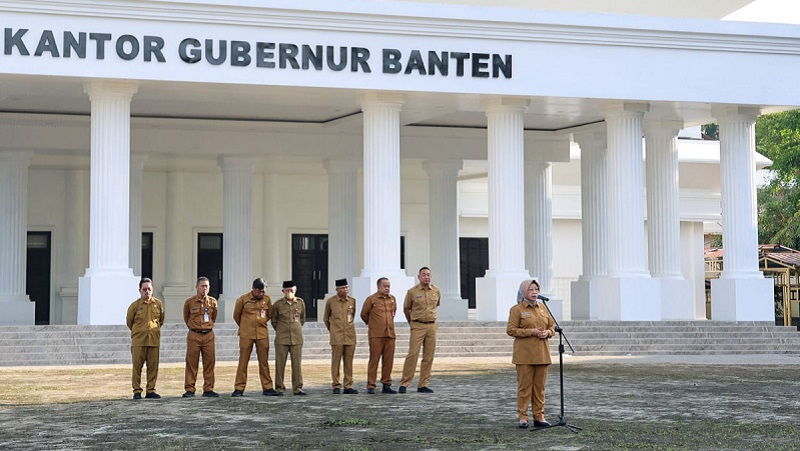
[
  {"x": 200, "y": 314},
  {"x": 422, "y": 302},
  {"x": 145, "y": 319},
  {"x": 287, "y": 320},
  {"x": 338, "y": 318},
  {"x": 531, "y": 355},
  {"x": 252, "y": 316},
  {"x": 378, "y": 313}
]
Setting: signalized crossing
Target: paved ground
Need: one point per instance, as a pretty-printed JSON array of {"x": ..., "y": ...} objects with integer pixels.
[{"x": 655, "y": 402}]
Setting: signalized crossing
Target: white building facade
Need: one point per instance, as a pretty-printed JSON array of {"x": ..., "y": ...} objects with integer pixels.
[{"x": 316, "y": 140}]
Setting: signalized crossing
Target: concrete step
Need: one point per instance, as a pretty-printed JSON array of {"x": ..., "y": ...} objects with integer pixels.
[{"x": 71, "y": 345}]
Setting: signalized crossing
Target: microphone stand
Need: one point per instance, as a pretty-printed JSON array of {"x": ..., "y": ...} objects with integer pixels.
[{"x": 562, "y": 419}]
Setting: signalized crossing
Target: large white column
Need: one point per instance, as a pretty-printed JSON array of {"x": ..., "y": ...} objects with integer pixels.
[
  {"x": 272, "y": 235},
  {"x": 237, "y": 228},
  {"x": 663, "y": 218},
  {"x": 741, "y": 293},
  {"x": 585, "y": 291},
  {"x": 108, "y": 286},
  {"x": 539, "y": 223},
  {"x": 497, "y": 291},
  {"x": 135, "y": 252},
  {"x": 177, "y": 285},
  {"x": 15, "y": 304},
  {"x": 628, "y": 293},
  {"x": 381, "y": 196},
  {"x": 342, "y": 223},
  {"x": 76, "y": 233},
  {"x": 444, "y": 251}
]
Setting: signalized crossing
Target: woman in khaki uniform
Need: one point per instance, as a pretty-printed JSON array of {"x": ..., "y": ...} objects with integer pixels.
[{"x": 531, "y": 326}]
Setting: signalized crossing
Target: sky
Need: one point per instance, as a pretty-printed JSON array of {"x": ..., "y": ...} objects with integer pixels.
[{"x": 777, "y": 11}]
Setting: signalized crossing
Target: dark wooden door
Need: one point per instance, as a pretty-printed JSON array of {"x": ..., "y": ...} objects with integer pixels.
[
  {"x": 310, "y": 269},
  {"x": 147, "y": 255},
  {"x": 37, "y": 282},
  {"x": 209, "y": 260},
  {"x": 474, "y": 263}
]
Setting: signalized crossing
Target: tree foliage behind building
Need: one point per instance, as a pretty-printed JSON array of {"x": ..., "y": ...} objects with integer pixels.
[{"x": 778, "y": 138}]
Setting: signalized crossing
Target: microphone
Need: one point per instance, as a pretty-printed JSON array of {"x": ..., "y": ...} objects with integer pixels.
[{"x": 543, "y": 298}]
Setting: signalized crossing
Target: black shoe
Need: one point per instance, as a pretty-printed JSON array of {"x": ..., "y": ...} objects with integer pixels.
[
  {"x": 424, "y": 390},
  {"x": 237, "y": 393},
  {"x": 337, "y": 391},
  {"x": 210, "y": 394},
  {"x": 300, "y": 393},
  {"x": 271, "y": 392},
  {"x": 350, "y": 391},
  {"x": 541, "y": 424},
  {"x": 523, "y": 424},
  {"x": 188, "y": 394},
  {"x": 370, "y": 391},
  {"x": 402, "y": 389},
  {"x": 152, "y": 395},
  {"x": 388, "y": 389},
  {"x": 137, "y": 396}
]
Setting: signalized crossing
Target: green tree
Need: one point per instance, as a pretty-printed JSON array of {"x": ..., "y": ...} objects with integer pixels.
[{"x": 778, "y": 138}]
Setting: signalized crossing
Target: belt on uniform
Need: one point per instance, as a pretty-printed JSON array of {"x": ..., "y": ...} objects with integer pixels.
[
  {"x": 201, "y": 331},
  {"x": 424, "y": 322}
]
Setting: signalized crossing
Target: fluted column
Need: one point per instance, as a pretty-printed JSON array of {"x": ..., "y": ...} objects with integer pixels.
[
  {"x": 663, "y": 214},
  {"x": 272, "y": 234},
  {"x": 342, "y": 217},
  {"x": 177, "y": 284},
  {"x": 594, "y": 204},
  {"x": 135, "y": 253},
  {"x": 741, "y": 293},
  {"x": 237, "y": 227},
  {"x": 381, "y": 113},
  {"x": 109, "y": 274},
  {"x": 444, "y": 250},
  {"x": 594, "y": 224},
  {"x": 628, "y": 276},
  {"x": 539, "y": 222},
  {"x": 14, "y": 302},
  {"x": 625, "y": 189},
  {"x": 663, "y": 218},
  {"x": 496, "y": 292},
  {"x": 76, "y": 233}
]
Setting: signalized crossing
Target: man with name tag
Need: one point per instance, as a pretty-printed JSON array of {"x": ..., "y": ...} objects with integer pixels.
[
  {"x": 199, "y": 314},
  {"x": 252, "y": 313},
  {"x": 288, "y": 317},
  {"x": 145, "y": 318},
  {"x": 340, "y": 311},
  {"x": 378, "y": 314},
  {"x": 420, "y": 306}
]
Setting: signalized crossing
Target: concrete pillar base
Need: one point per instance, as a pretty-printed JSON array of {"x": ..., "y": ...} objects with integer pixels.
[
  {"x": 677, "y": 300},
  {"x": 18, "y": 310},
  {"x": 174, "y": 296},
  {"x": 630, "y": 299},
  {"x": 742, "y": 299},
  {"x": 453, "y": 308},
  {"x": 104, "y": 299},
  {"x": 585, "y": 299},
  {"x": 495, "y": 295}
]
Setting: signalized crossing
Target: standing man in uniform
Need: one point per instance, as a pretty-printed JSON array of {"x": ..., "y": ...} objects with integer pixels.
[
  {"x": 340, "y": 310},
  {"x": 288, "y": 317},
  {"x": 251, "y": 314},
  {"x": 378, "y": 313},
  {"x": 145, "y": 318},
  {"x": 420, "y": 310},
  {"x": 199, "y": 314}
]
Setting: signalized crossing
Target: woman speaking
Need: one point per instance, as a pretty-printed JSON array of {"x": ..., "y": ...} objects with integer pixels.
[{"x": 531, "y": 325}]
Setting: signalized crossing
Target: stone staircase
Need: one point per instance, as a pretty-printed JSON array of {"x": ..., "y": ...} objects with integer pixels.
[{"x": 87, "y": 345}]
